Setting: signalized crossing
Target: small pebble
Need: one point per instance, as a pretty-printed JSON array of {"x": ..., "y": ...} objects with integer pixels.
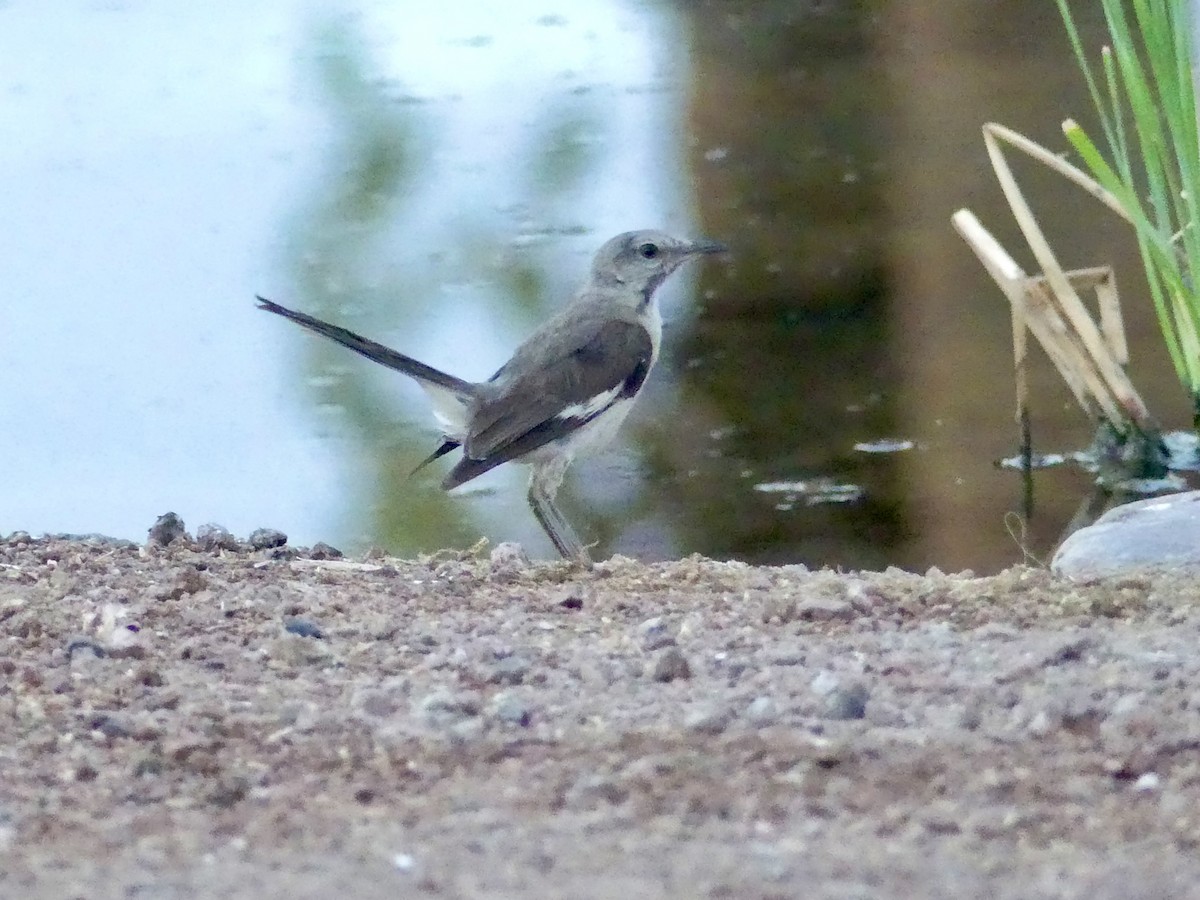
[
  {"x": 825, "y": 683},
  {"x": 149, "y": 677},
  {"x": 848, "y": 702},
  {"x": 707, "y": 720},
  {"x": 653, "y": 634},
  {"x": 1041, "y": 724},
  {"x": 321, "y": 550},
  {"x": 293, "y": 651},
  {"x": 789, "y": 658},
  {"x": 111, "y": 726},
  {"x": 445, "y": 708},
  {"x": 229, "y": 790},
  {"x": 510, "y": 670},
  {"x": 779, "y": 609},
  {"x": 1070, "y": 650},
  {"x": 86, "y": 772},
  {"x": 508, "y": 563},
  {"x": 509, "y": 554},
  {"x": 86, "y": 647},
  {"x": 303, "y": 627},
  {"x": 403, "y": 862},
  {"x": 941, "y": 817},
  {"x": 571, "y": 599},
  {"x": 189, "y": 581},
  {"x": 167, "y": 528},
  {"x": 379, "y": 703},
  {"x": 1147, "y": 782},
  {"x": 592, "y": 789},
  {"x": 466, "y": 731},
  {"x": 267, "y": 538},
  {"x": 762, "y": 711},
  {"x": 507, "y": 707},
  {"x": 211, "y": 537},
  {"x": 825, "y": 609},
  {"x": 669, "y": 665},
  {"x": 88, "y": 665}
]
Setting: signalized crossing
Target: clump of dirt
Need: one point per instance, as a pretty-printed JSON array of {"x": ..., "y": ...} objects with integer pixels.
[{"x": 238, "y": 722}]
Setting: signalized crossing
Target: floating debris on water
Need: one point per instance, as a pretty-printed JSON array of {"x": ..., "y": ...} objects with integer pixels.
[
  {"x": 815, "y": 492},
  {"x": 884, "y": 446},
  {"x": 1181, "y": 452},
  {"x": 1039, "y": 461}
]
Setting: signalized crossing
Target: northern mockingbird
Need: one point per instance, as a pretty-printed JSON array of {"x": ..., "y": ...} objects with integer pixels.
[{"x": 565, "y": 390}]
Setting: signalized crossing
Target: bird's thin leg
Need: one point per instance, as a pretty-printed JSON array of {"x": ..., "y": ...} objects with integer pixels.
[{"x": 543, "y": 486}]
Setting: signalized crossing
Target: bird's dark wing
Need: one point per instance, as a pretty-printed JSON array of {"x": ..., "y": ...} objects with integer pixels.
[{"x": 607, "y": 362}]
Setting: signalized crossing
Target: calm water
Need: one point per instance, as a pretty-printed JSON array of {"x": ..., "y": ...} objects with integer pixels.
[{"x": 440, "y": 183}]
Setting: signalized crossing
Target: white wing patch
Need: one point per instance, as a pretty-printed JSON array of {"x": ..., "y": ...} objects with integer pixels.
[
  {"x": 449, "y": 409},
  {"x": 590, "y": 407}
]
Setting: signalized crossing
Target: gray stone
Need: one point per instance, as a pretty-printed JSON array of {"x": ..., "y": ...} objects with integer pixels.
[
  {"x": 188, "y": 581},
  {"x": 762, "y": 711},
  {"x": 167, "y": 528},
  {"x": 669, "y": 665},
  {"x": 707, "y": 720},
  {"x": 445, "y": 708},
  {"x": 303, "y": 627},
  {"x": 1155, "y": 533},
  {"x": 83, "y": 647},
  {"x": 509, "y": 562},
  {"x": 825, "y": 683},
  {"x": 508, "y": 707},
  {"x": 509, "y": 554},
  {"x": 654, "y": 634},
  {"x": 848, "y": 702},
  {"x": 111, "y": 725},
  {"x": 379, "y": 703},
  {"x": 510, "y": 670},
  {"x": 267, "y": 538},
  {"x": 293, "y": 651},
  {"x": 825, "y": 609},
  {"x": 211, "y": 536},
  {"x": 87, "y": 657},
  {"x": 593, "y": 789}
]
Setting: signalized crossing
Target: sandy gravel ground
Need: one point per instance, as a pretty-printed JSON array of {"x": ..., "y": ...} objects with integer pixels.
[{"x": 190, "y": 724}]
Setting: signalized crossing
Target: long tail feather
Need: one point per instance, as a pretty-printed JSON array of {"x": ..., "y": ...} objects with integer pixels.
[
  {"x": 385, "y": 356},
  {"x": 446, "y": 447}
]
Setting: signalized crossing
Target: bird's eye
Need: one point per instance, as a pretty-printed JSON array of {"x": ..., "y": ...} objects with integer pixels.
[{"x": 648, "y": 251}]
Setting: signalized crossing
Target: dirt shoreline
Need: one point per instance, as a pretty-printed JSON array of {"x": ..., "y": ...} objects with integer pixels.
[{"x": 186, "y": 724}]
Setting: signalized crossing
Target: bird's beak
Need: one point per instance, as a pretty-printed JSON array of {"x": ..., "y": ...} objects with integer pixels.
[{"x": 704, "y": 246}]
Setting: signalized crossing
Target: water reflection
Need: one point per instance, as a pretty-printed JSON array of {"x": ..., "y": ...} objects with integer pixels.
[{"x": 439, "y": 183}]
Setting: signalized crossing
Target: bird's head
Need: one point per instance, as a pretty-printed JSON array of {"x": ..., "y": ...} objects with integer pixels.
[{"x": 637, "y": 262}]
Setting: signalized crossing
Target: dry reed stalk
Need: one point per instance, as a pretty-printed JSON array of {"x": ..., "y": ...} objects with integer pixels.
[{"x": 1090, "y": 357}]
